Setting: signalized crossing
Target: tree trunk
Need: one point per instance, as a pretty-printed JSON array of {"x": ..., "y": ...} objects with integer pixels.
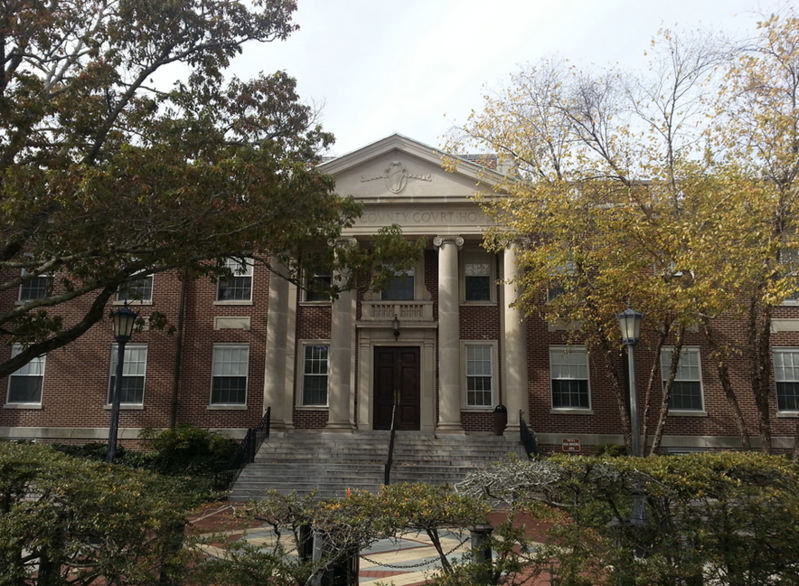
[
  {"x": 667, "y": 386},
  {"x": 726, "y": 384},
  {"x": 654, "y": 377},
  {"x": 612, "y": 369},
  {"x": 759, "y": 338}
]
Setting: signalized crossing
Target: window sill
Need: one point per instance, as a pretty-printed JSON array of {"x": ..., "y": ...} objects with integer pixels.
[
  {"x": 788, "y": 414},
  {"x": 572, "y": 411},
  {"x": 217, "y": 302},
  {"x": 227, "y": 407},
  {"x": 476, "y": 409},
  {"x": 317, "y": 303},
  {"x": 134, "y": 302},
  {"x": 126, "y": 407},
  {"x": 686, "y": 413},
  {"x": 478, "y": 303},
  {"x": 312, "y": 407},
  {"x": 22, "y": 406}
]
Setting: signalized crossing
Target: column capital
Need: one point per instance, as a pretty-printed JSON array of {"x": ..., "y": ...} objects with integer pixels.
[
  {"x": 343, "y": 242},
  {"x": 440, "y": 241},
  {"x": 518, "y": 241}
]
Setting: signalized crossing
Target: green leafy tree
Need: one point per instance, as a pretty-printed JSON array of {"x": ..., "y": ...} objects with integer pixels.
[
  {"x": 67, "y": 520},
  {"x": 715, "y": 518},
  {"x": 107, "y": 175}
]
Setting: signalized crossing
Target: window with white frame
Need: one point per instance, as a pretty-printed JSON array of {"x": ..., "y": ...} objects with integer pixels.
[
  {"x": 401, "y": 287},
  {"x": 134, "y": 369},
  {"x": 786, "y": 375},
  {"x": 477, "y": 274},
  {"x": 37, "y": 287},
  {"x": 568, "y": 368},
  {"x": 318, "y": 284},
  {"x": 229, "y": 374},
  {"x": 238, "y": 286},
  {"x": 479, "y": 375},
  {"x": 686, "y": 390},
  {"x": 557, "y": 285},
  {"x": 25, "y": 384},
  {"x": 789, "y": 257},
  {"x": 315, "y": 374},
  {"x": 140, "y": 290}
]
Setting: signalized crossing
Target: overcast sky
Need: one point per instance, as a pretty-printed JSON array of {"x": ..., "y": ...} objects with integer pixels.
[{"x": 417, "y": 67}]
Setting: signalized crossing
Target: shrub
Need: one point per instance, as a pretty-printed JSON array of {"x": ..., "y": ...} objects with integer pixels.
[{"x": 187, "y": 449}]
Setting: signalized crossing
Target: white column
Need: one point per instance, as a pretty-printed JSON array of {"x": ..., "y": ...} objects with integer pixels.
[
  {"x": 341, "y": 388},
  {"x": 515, "y": 336},
  {"x": 449, "y": 369},
  {"x": 277, "y": 352}
]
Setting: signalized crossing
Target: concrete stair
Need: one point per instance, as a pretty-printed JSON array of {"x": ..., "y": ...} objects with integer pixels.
[{"x": 330, "y": 463}]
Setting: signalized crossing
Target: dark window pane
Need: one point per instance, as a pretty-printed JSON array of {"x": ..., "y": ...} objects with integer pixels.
[
  {"x": 314, "y": 390},
  {"x": 570, "y": 393},
  {"x": 686, "y": 395},
  {"x": 25, "y": 389},
  {"x": 478, "y": 288},
  {"x": 399, "y": 289},
  {"x": 788, "y": 396},
  {"x": 235, "y": 289},
  {"x": 315, "y": 283},
  {"x": 139, "y": 290},
  {"x": 37, "y": 288},
  {"x": 229, "y": 390},
  {"x": 132, "y": 389}
]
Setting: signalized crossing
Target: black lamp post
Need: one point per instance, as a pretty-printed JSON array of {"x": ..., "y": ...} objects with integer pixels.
[
  {"x": 124, "y": 321},
  {"x": 630, "y": 324}
]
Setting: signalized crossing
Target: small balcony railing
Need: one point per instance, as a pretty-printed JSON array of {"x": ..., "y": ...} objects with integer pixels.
[{"x": 404, "y": 310}]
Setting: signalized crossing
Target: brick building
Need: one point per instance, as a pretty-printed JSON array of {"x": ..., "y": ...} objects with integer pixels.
[{"x": 443, "y": 338}]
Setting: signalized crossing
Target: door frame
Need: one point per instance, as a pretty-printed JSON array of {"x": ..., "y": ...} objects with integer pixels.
[
  {"x": 425, "y": 339},
  {"x": 397, "y": 353}
]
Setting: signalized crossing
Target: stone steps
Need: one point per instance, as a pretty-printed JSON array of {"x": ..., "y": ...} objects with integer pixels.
[{"x": 330, "y": 463}]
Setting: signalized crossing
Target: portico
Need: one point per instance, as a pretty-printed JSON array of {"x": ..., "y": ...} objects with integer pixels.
[{"x": 451, "y": 353}]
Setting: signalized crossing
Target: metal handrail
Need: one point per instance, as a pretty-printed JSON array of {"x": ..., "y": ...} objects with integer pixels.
[
  {"x": 390, "y": 458},
  {"x": 527, "y": 437},
  {"x": 246, "y": 451}
]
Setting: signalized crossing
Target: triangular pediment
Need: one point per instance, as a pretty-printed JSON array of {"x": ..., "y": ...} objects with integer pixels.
[{"x": 400, "y": 170}]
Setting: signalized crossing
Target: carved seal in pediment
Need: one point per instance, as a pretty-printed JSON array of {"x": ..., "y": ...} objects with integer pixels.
[{"x": 396, "y": 177}]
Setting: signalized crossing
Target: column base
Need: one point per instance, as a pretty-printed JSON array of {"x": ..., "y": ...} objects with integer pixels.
[
  {"x": 450, "y": 428},
  {"x": 512, "y": 431},
  {"x": 339, "y": 427}
]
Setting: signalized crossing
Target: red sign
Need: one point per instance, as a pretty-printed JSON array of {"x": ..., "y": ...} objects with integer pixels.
[{"x": 571, "y": 445}]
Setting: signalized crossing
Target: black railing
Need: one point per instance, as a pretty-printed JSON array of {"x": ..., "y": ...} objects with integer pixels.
[
  {"x": 228, "y": 472},
  {"x": 390, "y": 458},
  {"x": 527, "y": 437}
]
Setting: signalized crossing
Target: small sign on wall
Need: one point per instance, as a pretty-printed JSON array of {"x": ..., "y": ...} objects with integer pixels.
[{"x": 571, "y": 445}]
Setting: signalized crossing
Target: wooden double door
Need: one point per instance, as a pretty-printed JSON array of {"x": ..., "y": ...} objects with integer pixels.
[{"x": 397, "y": 379}]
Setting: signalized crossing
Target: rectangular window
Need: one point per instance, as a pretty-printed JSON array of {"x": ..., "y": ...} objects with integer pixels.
[
  {"x": 136, "y": 290},
  {"x": 134, "y": 369},
  {"x": 318, "y": 286},
  {"x": 477, "y": 276},
  {"x": 786, "y": 375},
  {"x": 686, "y": 391},
  {"x": 568, "y": 367},
  {"x": 229, "y": 374},
  {"x": 35, "y": 288},
  {"x": 237, "y": 287},
  {"x": 25, "y": 385},
  {"x": 479, "y": 376},
  {"x": 557, "y": 285},
  {"x": 400, "y": 288},
  {"x": 314, "y": 375}
]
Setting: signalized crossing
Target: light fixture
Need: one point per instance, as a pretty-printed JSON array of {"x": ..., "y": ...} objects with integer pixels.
[
  {"x": 396, "y": 324},
  {"x": 124, "y": 322},
  {"x": 630, "y": 324}
]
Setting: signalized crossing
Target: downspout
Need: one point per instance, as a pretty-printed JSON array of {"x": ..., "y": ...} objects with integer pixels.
[{"x": 173, "y": 411}]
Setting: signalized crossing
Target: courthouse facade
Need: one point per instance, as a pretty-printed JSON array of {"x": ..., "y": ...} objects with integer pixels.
[{"x": 442, "y": 340}]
